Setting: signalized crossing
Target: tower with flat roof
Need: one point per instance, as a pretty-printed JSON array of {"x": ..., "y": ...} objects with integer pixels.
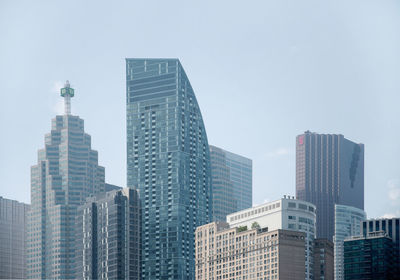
[
  {"x": 231, "y": 182},
  {"x": 329, "y": 171}
]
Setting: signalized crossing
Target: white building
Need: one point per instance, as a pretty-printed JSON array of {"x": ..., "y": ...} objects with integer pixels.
[
  {"x": 347, "y": 223},
  {"x": 286, "y": 213}
]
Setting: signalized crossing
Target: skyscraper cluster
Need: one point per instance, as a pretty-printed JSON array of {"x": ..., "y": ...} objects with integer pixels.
[{"x": 187, "y": 210}]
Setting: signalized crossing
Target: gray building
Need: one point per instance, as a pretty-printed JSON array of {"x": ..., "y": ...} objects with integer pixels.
[
  {"x": 168, "y": 161},
  {"x": 231, "y": 182},
  {"x": 108, "y": 236},
  {"x": 67, "y": 172},
  {"x": 347, "y": 223},
  {"x": 13, "y": 219},
  {"x": 329, "y": 171}
]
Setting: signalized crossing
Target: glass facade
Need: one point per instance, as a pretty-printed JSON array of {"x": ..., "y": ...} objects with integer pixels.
[
  {"x": 13, "y": 221},
  {"x": 347, "y": 223},
  {"x": 108, "y": 239},
  {"x": 168, "y": 161},
  {"x": 67, "y": 172},
  {"x": 370, "y": 257},
  {"x": 231, "y": 182},
  {"x": 329, "y": 171}
]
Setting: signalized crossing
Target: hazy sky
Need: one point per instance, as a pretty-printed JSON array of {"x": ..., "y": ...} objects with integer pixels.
[{"x": 263, "y": 72}]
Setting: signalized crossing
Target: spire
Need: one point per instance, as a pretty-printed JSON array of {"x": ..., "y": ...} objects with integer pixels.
[{"x": 67, "y": 92}]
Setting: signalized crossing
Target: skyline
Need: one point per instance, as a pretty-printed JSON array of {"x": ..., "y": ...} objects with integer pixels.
[{"x": 269, "y": 81}]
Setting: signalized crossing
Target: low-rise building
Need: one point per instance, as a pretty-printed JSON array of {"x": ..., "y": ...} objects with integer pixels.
[
  {"x": 369, "y": 257},
  {"x": 323, "y": 259},
  {"x": 287, "y": 214},
  {"x": 248, "y": 253}
]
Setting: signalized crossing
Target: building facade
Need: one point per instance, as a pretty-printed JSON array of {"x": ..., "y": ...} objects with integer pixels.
[
  {"x": 390, "y": 226},
  {"x": 370, "y": 257},
  {"x": 13, "y": 223},
  {"x": 168, "y": 161},
  {"x": 67, "y": 172},
  {"x": 347, "y": 223},
  {"x": 241, "y": 253},
  {"x": 323, "y": 259},
  {"x": 329, "y": 171},
  {"x": 231, "y": 182},
  {"x": 287, "y": 214},
  {"x": 108, "y": 236}
]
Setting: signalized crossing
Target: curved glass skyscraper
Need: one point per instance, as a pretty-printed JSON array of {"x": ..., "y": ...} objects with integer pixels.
[{"x": 168, "y": 161}]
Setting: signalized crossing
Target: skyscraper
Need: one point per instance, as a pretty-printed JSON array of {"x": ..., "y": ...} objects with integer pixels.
[
  {"x": 329, "y": 170},
  {"x": 67, "y": 172},
  {"x": 231, "y": 182},
  {"x": 347, "y": 223},
  {"x": 108, "y": 236},
  {"x": 13, "y": 221},
  {"x": 168, "y": 161}
]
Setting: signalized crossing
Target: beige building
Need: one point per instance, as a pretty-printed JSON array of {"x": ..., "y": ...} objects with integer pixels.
[{"x": 242, "y": 253}]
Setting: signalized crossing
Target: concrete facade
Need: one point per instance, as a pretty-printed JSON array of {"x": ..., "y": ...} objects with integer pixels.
[
  {"x": 323, "y": 259},
  {"x": 240, "y": 253},
  {"x": 287, "y": 214}
]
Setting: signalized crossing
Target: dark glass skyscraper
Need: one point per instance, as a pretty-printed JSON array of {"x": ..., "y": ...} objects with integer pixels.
[
  {"x": 370, "y": 257},
  {"x": 67, "y": 172},
  {"x": 329, "y": 171},
  {"x": 108, "y": 236},
  {"x": 231, "y": 182},
  {"x": 168, "y": 161}
]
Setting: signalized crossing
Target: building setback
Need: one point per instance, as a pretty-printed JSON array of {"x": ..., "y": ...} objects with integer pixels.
[
  {"x": 329, "y": 171},
  {"x": 347, "y": 223},
  {"x": 108, "y": 236},
  {"x": 323, "y": 259},
  {"x": 287, "y": 214},
  {"x": 67, "y": 172},
  {"x": 370, "y": 257},
  {"x": 168, "y": 161},
  {"x": 13, "y": 221},
  {"x": 242, "y": 253},
  {"x": 231, "y": 182}
]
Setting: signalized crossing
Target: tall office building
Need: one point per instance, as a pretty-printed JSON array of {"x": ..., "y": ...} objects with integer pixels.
[
  {"x": 67, "y": 172},
  {"x": 286, "y": 213},
  {"x": 231, "y": 182},
  {"x": 369, "y": 257},
  {"x": 347, "y": 223},
  {"x": 329, "y": 171},
  {"x": 248, "y": 253},
  {"x": 13, "y": 221},
  {"x": 108, "y": 236},
  {"x": 168, "y": 160}
]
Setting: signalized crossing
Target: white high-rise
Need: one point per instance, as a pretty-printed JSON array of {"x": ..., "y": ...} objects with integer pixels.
[
  {"x": 286, "y": 213},
  {"x": 347, "y": 223}
]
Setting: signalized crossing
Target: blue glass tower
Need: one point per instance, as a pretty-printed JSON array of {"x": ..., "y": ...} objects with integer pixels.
[{"x": 168, "y": 161}]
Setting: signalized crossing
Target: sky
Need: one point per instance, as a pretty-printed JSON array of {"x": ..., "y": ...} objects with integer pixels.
[{"x": 263, "y": 72}]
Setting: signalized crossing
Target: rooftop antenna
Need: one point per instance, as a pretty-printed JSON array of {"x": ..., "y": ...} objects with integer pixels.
[{"x": 67, "y": 92}]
